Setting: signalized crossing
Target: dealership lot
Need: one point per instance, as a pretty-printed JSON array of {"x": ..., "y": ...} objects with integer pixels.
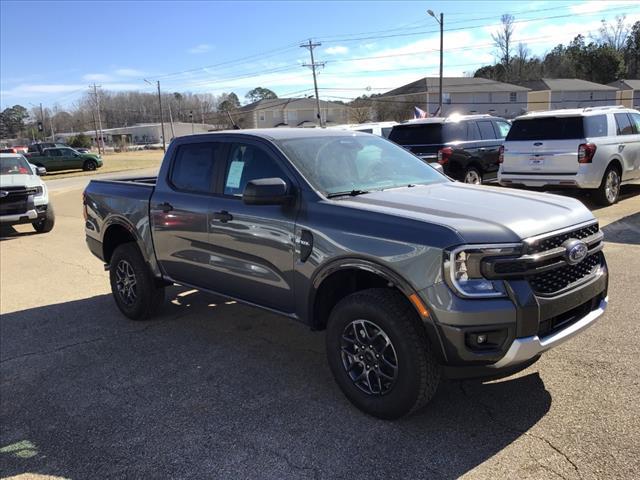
[{"x": 212, "y": 388}]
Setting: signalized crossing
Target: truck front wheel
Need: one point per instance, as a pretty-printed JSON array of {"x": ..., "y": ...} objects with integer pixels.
[
  {"x": 379, "y": 354},
  {"x": 45, "y": 225},
  {"x": 132, "y": 284}
]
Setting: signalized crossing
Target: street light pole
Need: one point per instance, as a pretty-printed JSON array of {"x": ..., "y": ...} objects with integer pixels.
[
  {"x": 441, "y": 22},
  {"x": 164, "y": 145}
]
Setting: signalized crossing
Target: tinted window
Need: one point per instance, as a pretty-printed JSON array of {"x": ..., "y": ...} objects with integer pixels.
[
  {"x": 247, "y": 162},
  {"x": 193, "y": 167},
  {"x": 503, "y": 128},
  {"x": 486, "y": 130},
  {"x": 635, "y": 120},
  {"x": 455, "y": 131},
  {"x": 473, "y": 133},
  {"x": 386, "y": 131},
  {"x": 54, "y": 152},
  {"x": 365, "y": 130},
  {"x": 426, "y": 133},
  {"x": 623, "y": 124},
  {"x": 546, "y": 128},
  {"x": 595, "y": 126}
]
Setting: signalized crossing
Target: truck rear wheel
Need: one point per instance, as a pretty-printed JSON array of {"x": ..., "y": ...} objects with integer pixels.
[
  {"x": 134, "y": 289},
  {"x": 45, "y": 224},
  {"x": 379, "y": 354}
]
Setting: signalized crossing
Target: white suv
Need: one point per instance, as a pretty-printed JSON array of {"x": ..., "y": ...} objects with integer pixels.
[
  {"x": 23, "y": 195},
  {"x": 594, "y": 148}
]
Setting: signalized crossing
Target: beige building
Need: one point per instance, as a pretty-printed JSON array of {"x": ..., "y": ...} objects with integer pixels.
[
  {"x": 464, "y": 95},
  {"x": 558, "y": 93},
  {"x": 289, "y": 112},
  {"x": 628, "y": 93}
]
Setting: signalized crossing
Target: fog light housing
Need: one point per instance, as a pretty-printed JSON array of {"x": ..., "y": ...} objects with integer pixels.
[{"x": 486, "y": 339}]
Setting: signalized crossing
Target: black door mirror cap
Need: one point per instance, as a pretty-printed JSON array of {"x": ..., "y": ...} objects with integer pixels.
[{"x": 266, "y": 191}]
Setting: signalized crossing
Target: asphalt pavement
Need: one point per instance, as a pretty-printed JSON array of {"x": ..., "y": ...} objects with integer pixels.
[{"x": 215, "y": 389}]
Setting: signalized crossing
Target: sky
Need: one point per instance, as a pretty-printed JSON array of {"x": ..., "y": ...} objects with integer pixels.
[{"x": 50, "y": 52}]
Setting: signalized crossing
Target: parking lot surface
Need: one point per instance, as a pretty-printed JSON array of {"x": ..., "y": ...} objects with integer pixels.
[{"x": 214, "y": 389}]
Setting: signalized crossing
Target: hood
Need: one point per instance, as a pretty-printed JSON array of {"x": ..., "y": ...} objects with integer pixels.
[
  {"x": 479, "y": 214},
  {"x": 13, "y": 180}
]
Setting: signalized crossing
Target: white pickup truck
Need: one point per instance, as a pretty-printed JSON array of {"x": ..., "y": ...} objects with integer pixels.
[{"x": 23, "y": 194}]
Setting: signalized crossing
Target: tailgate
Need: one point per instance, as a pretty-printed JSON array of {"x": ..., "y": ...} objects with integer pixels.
[{"x": 543, "y": 156}]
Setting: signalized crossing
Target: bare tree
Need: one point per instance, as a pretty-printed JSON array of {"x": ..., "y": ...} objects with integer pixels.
[
  {"x": 503, "y": 41},
  {"x": 614, "y": 34}
]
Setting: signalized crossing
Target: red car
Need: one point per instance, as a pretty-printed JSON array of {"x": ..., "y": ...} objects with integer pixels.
[{"x": 20, "y": 148}]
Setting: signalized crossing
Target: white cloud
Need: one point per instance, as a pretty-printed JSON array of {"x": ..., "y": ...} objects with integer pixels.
[
  {"x": 129, "y": 72},
  {"x": 337, "y": 50},
  {"x": 595, "y": 7},
  {"x": 97, "y": 77},
  {"x": 202, "y": 48}
]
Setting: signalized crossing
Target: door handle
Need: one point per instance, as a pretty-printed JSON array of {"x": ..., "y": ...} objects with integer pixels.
[
  {"x": 482, "y": 149},
  {"x": 165, "y": 207},
  {"x": 223, "y": 216}
]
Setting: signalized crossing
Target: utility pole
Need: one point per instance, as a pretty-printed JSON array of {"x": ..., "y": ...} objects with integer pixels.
[
  {"x": 441, "y": 22},
  {"x": 97, "y": 100},
  {"x": 53, "y": 135},
  {"x": 164, "y": 144},
  {"x": 313, "y": 66},
  {"x": 191, "y": 117},
  {"x": 173, "y": 132},
  {"x": 42, "y": 119},
  {"x": 95, "y": 127}
]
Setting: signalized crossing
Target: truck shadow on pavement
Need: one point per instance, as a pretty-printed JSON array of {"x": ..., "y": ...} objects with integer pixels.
[
  {"x": 9, "y": 233},
  {"x": 214, "y": 389},
  {"x": 625, "y": 230}
]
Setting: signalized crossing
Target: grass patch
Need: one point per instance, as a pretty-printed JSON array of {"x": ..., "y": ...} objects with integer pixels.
[{"x": 116, "y": 162}]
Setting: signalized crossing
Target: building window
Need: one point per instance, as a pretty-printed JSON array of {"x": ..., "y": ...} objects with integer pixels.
[
  {"x": 446, "y": 98},
  {"x": 292, "y": 116},
  {"x": 513, "y": 97},
  {"x": 590, "y": 95},
  {"x": 261, "y": 116}
]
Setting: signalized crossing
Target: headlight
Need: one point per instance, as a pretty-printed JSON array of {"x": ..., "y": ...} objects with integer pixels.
[
  {"x": 39, "y": 191},
  {"x": 463, "y": 269}
]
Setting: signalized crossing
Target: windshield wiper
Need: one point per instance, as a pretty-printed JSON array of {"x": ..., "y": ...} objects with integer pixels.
[{"x": 352, "y": 193}]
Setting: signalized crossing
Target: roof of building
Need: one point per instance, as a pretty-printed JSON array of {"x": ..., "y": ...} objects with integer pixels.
[
  {"x": 298, "y": 103},
  {"x": 565, "y": 85},
  {"x": 454, "y": 85},
  {"x": 626, "y": 84}
]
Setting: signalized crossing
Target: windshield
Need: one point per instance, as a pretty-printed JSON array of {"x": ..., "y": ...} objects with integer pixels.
[
  {"x": 359, "y": 163},
  {"x": 17, "y": 165}
]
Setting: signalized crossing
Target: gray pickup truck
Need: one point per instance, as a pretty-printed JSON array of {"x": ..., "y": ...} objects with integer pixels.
[{"x": 414, "y": 277}]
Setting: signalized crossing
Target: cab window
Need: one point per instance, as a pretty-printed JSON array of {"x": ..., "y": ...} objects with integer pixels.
[
  {"x": 623, "y": 124},
  {"x": 248, "y": 162},
  {"x": 486, "y": 130},
  {"x": 194, "y": 167},
  {"x": 503, "y": 128}
]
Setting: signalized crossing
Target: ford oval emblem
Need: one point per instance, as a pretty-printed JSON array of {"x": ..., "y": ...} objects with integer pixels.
[
  {"x": 575, "y": 251},
  {"x": 4, "y": 193}
]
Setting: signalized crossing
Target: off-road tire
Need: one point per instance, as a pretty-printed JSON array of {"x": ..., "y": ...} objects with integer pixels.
[
  {"x": 149, "y": 296},
  {"x": 45, "y": 225},
  {"x": 418, "y": 372}
]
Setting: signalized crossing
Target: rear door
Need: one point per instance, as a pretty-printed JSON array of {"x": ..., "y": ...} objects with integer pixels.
[
  {"x": 253, "y": 245},
  {"x": 180, "y": 209},
  {"x": 51, "y": 159},
  {"x": 489, "y": 147},
  {"x": 543, "y": 145},
  {"x": 628, "y": 143}
]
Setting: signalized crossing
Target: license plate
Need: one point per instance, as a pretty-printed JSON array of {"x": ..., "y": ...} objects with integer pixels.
[{"x": 536, "y": 163}]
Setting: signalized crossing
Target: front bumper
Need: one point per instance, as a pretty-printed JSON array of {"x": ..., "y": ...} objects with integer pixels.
[
  {"x": 523, "y": 349},
  {"x": 519, "y": 327},
  {"x": 26, "y": 217}
]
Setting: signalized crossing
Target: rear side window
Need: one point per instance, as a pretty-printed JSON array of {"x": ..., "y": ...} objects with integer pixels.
[
  {"x": 365, "y": 130},
  {"x": 623, "y": 124},
  {"x": 503, "y": 128},
  {"x": 426, "y": 134},
  {"x": 386, "y": 131},
  {"x": 635, "y": 120},
  {"x": 595, "y": 126},
  {"x": 486, "y": 130},
  {"x": 194, "y": 167},
  {"x": 454, "y": 132},
  {"x": 546, "y": 128}
]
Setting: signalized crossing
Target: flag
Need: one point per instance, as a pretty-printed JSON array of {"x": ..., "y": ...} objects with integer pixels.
[
  {"x": 437, "y": 112},
  {"x": 419, "y": 113}
]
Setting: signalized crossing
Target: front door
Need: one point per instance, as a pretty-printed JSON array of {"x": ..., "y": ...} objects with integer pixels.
[
  {"x": 180, "y": 209},
  {"x": 70, "y": 158},
  {"x": 253, "y": 245}
]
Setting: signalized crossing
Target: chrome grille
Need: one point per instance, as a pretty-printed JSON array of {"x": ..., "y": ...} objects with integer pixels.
[{"x": 554, "y": 241}]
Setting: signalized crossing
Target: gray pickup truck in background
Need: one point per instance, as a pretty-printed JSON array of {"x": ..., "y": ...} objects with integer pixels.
[{"x": 414, "y": 277}]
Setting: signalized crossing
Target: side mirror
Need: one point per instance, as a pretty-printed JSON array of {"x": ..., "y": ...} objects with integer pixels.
[
  {"x": 265, "y": 191},
  {"x": 437, "y": 167},
  {"x": 41, "y": 171}
]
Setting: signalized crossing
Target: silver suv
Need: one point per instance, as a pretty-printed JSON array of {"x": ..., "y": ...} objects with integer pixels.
[{"x": 592, "y": 148}]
